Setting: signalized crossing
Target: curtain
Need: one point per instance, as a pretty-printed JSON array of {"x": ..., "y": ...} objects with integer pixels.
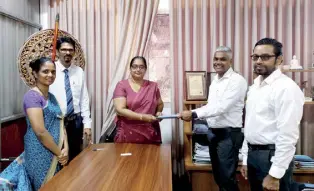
[
  {"x": 13, "y": 34},
  {"x": 111, "y": 32},
  {"x": 199, "y": 26}
]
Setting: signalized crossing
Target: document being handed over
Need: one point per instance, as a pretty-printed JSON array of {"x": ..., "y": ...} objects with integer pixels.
[{"x": 168, "y": 116}]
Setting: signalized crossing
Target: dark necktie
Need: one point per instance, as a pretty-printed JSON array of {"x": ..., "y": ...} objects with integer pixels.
[{"x": 70, "y": 108}]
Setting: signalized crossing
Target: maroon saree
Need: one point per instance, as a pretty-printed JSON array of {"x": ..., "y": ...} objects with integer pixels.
[{"x": 144, "y": 101}]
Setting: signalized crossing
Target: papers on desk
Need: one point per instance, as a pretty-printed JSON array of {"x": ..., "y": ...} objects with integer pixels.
[
  {"x": 303, "y": 158},
  {"x": 303, "y": 161},
  {"x": 201, "y": 154}
]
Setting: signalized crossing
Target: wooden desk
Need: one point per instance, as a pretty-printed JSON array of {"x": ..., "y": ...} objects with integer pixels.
[{"x": 148, "y": 168}]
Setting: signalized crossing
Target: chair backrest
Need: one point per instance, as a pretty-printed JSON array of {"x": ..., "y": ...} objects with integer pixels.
[{"x": 12, "y": 131}]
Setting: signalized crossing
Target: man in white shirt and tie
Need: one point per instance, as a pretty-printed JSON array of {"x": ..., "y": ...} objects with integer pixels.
[
  {"x": 274, "y": 108},
  {"x": 70, "y": 90},
  {"x": 223, "y": 114}
]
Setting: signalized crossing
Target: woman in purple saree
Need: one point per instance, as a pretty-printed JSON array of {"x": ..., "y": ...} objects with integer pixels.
[
  {"x": 45, "y": 142},
  {"x": 137, "y": 103}
]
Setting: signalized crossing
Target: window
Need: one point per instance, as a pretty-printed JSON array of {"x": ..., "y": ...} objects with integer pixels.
[
  {"x": 158, "y": 56},
  {"x": 159, "y": 71}
]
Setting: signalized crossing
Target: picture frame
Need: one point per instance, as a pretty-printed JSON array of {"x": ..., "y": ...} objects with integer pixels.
[{"x": 196, "y": 85}]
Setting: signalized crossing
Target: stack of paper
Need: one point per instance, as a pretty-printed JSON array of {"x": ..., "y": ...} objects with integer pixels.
[
  {"x": 201, "y": 154},
  {"x": 303, "y": 161}
]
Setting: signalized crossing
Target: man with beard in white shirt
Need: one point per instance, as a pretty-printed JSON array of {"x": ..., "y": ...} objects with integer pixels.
[
  {"x": 274, "y": 108},
  {"x": 70, "y": 90},
  {"x": 223, "y": 114}
]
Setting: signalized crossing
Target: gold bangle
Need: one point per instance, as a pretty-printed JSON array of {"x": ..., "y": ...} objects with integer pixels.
[{"x": 141, "y": 117}]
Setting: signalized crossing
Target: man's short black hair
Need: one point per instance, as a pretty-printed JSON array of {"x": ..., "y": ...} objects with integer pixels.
[
  {"x": 63, "y": 40},
  {"x": 270, "y": 41}
]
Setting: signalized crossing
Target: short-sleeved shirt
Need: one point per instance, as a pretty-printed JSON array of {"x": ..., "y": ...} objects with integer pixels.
[{"x": 33, "y": 99}]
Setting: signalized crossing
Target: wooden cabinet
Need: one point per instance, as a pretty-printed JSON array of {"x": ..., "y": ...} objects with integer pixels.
[
  {"x": 201, "y": 176},
  {"x": 187, "y": 126}
]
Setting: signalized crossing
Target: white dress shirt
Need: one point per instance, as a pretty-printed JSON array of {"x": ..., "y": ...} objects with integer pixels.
[
  {"x": 225, "y": 101},
  {"x": 274, "y": 109},
  {"x": 78, "y": 88}
]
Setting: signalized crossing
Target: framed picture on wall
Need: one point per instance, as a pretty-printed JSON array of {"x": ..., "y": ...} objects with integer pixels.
[{"x": 196, "y": 85}]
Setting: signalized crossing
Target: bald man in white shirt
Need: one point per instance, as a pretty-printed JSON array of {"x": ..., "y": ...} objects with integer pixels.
[
  {"x": 223, "y": 114},
  {"x": 274, "y": 108},
  {"x": 71, "y": 92}
]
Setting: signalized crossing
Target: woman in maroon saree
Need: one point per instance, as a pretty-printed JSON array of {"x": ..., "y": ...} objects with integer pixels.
[{"x": 137, "y": 103}]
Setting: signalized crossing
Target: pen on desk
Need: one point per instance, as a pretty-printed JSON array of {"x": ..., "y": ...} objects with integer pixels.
[
  {"x": 125, "y": 154},
  {"x": 99, "y": 149}
]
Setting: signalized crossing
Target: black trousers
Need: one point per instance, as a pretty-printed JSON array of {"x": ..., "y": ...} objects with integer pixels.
[
  {"x": 74, "y": 130},
  {"x": 224, "y": 145},
  {"x": 259, "y": 164}
]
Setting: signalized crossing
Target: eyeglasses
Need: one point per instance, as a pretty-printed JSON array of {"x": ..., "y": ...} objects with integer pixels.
[
  {"x": 140, "y": 67},
  {"x": 66, "y": 50},
  {"x": 263, "y": 57}
]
